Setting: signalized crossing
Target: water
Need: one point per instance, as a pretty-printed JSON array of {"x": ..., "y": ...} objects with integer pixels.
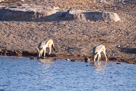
[{"x": 24, "y": 74}]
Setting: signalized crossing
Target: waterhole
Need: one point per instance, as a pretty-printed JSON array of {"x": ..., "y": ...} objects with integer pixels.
[{"x": 24, "y": 74}]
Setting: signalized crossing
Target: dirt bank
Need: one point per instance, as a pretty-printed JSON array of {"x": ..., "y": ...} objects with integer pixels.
[{"x": 73, "y": 38}]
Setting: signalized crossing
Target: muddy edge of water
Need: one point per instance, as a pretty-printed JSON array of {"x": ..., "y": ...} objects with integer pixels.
[{"x": 65, "y": 56}]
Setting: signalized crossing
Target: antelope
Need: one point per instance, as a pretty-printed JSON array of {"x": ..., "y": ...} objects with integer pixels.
[
  {"x": 43, "y": 45},
  {"x": 97, "y": 52}
]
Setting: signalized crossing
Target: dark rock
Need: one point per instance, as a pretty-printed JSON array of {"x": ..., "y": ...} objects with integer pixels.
[
  {"x": 118, "y": 63},
  {"x": 86, "y": 59},
  {"x": 72, "y": 60},
  {"x": 31, "y": 57}
]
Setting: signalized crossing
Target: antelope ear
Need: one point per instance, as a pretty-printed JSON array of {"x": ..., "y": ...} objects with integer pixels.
[{"x": 91, "y": 52}]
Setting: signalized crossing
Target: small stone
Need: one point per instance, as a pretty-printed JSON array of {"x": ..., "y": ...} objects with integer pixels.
[
  {"x": 42, "y": 57},
  {"x": 72, "y": 60},
  {"x": 118, "y": 63},
  {"x": 86, "y": 59},
  {"x": 118, "y": 46},
  {"x": 68, "y": 59},
  {"x": 31, "y": 57}
]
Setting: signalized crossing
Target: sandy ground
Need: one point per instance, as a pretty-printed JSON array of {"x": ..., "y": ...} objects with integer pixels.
[{"x": 74, "y": 38}]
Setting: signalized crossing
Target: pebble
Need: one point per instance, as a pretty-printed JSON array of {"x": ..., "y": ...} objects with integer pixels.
[
  {"x": 118, "y": 46},
  {"x": 118, "y": 63},
  {"x": 72, "y": 60},
  {"x": 86, "y": 59},
  {"x": 31, "y": 57},
  {"x": 68, "y": 59}
]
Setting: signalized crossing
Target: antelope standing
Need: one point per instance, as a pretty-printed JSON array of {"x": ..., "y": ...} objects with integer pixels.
[
  {"x": 97, "y": 52},
  {"x": 43, "y": 45}
]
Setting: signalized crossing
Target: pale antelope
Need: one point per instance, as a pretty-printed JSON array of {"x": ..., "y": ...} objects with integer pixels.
[
  {"x": 97, "y": 52},
  {"x": 43, "y": 45}
]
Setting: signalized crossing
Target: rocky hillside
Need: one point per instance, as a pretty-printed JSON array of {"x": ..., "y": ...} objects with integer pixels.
[{"x": 72, "y": 37}]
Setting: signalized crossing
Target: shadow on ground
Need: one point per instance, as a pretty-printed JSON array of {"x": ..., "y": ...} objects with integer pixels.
[{"x": 128, "y": 50}]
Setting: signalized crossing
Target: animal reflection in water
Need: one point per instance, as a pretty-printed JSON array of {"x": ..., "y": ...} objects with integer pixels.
[
  {"x": 98, "y": 67},
  {"x": 50, "y": 60},
  {"x": 97, "y": 53}
]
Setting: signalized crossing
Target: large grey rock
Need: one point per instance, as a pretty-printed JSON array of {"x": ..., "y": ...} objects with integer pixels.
[
  {"x": 95, "y": 16},
  {"x": 1, "y": 0},
  {"x": 28, "y": 12},
  {"x": 16, "y": 0}
]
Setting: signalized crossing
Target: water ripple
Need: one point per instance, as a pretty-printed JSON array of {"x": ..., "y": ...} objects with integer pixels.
[{"x": 23, "y": 74}]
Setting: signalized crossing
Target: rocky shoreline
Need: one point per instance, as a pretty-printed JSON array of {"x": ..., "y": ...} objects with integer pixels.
[
  {"x": 75, "y": 36},
  {"x": 64, "y": 56}
]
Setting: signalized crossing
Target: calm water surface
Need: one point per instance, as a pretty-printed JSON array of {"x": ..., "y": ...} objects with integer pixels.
[{"x": 24, "y": 74}]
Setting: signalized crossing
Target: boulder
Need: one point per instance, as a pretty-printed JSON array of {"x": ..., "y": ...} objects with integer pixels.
[
  {"x": 16, "y": 0},
  {"x": 28, "y": 12},
  {"x": 1, "y": 0},
  {"x": 73, "y": 14}
]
